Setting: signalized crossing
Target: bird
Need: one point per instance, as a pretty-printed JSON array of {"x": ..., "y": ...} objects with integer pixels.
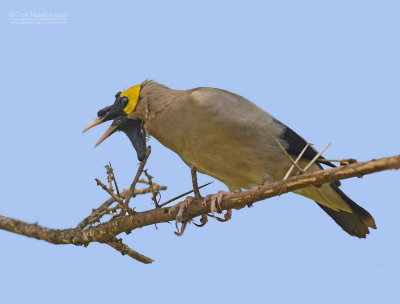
[{"x": 228, "y": 137}]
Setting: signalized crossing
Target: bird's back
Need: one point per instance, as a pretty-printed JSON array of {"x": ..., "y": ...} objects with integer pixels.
[{"x": 237, "y": 135}]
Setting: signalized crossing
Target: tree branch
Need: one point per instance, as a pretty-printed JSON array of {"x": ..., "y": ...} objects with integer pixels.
[
  {"x": 107, "y": 232},
  {"x": 124, "y": 249}
]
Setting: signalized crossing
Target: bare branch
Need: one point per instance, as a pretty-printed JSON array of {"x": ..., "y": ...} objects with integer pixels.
[
  {"x": 153, "y": 189},
  {"x": 342, "y": 162},
  {"x": 136, "y": 179},
  {"x": 107, "y": 231},
  {"x": 96, "y": 214},
  {"x": 99, "y": 212},
  {"x": 111, "y": 177},
  {"x": 125, "y": 249},
  {"x": 116, "y": 198}
]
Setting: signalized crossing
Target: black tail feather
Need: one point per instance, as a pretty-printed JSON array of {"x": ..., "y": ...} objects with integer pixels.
[{"x": 356, "y": 223}]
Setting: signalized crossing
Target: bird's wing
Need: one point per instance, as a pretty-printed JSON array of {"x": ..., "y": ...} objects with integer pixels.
[{"x": 296, "y": 144}]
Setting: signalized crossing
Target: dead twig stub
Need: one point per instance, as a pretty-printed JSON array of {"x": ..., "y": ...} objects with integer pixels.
[{"x": 154, "y": 190}]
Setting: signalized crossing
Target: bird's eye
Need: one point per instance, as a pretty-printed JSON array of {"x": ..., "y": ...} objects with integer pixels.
[
  {"x": 124, "y": 101},
  {"x": 117, "y": 95}
]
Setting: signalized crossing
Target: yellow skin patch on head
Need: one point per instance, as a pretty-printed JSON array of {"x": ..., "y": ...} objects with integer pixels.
[{"x": 133, "y": 95}]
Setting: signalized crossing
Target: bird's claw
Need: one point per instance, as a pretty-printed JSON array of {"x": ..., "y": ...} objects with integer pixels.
[
  {"x": 182, "y": 230},
  {"x": 203, "y": 221},
  {"x": 181, "y": 207},
  {"x": 227, "y": 216},
  {"x": 216, "y": 200}
]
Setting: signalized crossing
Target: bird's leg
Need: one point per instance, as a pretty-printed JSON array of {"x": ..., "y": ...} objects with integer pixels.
[
  {"x": 197, "y": 196},
  {"x": 181, "y": 207},
  {"x": 216, "y": 200},
  {"x": 196, "y": 191}
]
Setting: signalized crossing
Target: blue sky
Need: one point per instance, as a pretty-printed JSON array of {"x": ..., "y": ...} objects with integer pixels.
[{"x": 329, "y": 70}]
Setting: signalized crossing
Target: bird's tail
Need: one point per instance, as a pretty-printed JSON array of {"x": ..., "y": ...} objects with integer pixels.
[
  {"x": 347, "y": 214},
  {"x": 355, "y": 223}
]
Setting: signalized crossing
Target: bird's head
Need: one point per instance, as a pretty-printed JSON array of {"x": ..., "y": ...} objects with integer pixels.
[{"x": 125, "y": 103}]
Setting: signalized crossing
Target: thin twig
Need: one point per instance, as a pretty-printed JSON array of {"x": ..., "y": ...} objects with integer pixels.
[
  {"x": 125, "y": 249},
  {"x": 196, "y": 191},
  {"x": 120, "y": 201},
  {"x": 111, "y": 210},
  {"x": 116, "y": 198},
  {"x": 147, "y": 190},
  {"x": 288, "y": 156},
  {"x": 182, "y": 195},
  {"x": 154, "y": 191},
  {"x": 114, "y": 179},
  {"x": 296, "y": 161},
  {"x": 139, "y": 191},
  {"x": 316, "y": 157},
  {"x": 136, "y": 179},
  {"x": 109, "y": 177},
  {"x": 342, "y": 162},
  {"x": 95, "y": 215}
]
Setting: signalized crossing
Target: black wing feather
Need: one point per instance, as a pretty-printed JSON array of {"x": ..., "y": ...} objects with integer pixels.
[{"x": 296, "y": 144}]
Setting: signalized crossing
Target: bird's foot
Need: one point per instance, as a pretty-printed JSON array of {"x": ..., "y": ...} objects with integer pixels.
[
  {"x": 203, "y": 221},
  {"x": 216, "y": 200},
  {"x": 181, "y": 207}
]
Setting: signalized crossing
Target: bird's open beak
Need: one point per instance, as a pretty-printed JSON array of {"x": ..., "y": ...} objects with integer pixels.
[
  {"x": 106, "y": 134},
  {"x": 98, "y": 121},
  {"x": 133, "y": 128},
  {"x": 94, "y": 123}
]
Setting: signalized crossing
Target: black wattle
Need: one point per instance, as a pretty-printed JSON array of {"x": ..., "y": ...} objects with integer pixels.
[{"x": 133, "y": 128}]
